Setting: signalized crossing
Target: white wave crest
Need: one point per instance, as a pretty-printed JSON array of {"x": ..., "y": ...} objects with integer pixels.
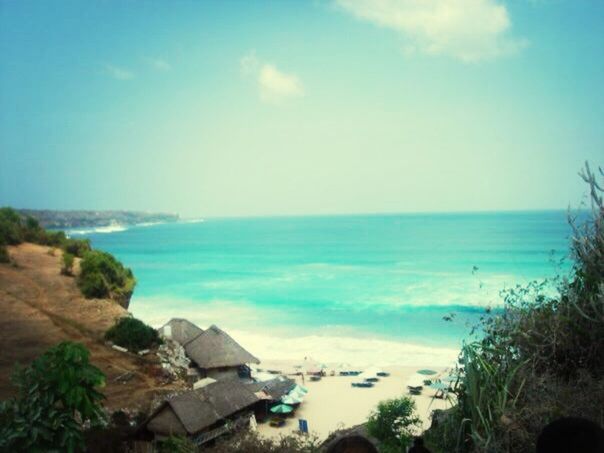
[
  {"x": 248, "y": 325},
  {"x": 114, "y": 228}
]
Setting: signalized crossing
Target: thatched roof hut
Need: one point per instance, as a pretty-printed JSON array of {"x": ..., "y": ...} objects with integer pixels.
[
  {"x": 198, "y": 410},
  {"x": 214, "y": 348},
  {"x": 180, "y": 330},
  {"x": 275, "y": 388}
]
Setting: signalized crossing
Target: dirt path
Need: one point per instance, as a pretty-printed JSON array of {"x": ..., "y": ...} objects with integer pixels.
[{"x": 39, "y": 307}]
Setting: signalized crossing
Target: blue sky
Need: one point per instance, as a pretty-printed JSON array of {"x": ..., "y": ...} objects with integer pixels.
[{"x": 278, "y": 108}]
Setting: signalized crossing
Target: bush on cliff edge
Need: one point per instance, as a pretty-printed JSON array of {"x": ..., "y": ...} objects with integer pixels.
[
  {"x": 133, "y": 334},
  {"x": 102, "y": 276}
]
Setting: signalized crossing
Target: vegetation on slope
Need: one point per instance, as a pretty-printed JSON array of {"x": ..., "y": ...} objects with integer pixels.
[
  {"x": 133, "y": 334},
  {"x": 57, "y": 394},
  {"x": 101, "y": 276},
  {"x": 541, "y": 358},
  {"x": 16, "y": 229}
]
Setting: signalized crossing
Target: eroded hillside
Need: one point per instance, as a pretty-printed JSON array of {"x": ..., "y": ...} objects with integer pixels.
[{"x": 40, "y": 307}]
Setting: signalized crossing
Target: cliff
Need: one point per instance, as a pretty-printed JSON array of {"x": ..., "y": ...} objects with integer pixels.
[{"x": 40, "y": 307}]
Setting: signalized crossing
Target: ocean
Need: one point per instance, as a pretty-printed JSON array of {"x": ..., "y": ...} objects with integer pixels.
[{"x": 363, "y": 289}]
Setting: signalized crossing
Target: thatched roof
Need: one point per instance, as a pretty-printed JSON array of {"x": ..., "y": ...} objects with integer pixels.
[
  {"x": 193, "y": 411},
  {"x": 182, "y": 330},
  {"x": 355, "y": 439},
  {"x": 275, "y": 388},
  {"x": 214, "y": 349}
]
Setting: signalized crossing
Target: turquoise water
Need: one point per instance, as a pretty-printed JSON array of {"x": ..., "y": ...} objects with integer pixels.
[{"x": 387, "y": 276}]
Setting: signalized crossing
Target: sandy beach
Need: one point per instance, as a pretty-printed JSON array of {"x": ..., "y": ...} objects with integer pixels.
[{"x": 332, "y": 403}]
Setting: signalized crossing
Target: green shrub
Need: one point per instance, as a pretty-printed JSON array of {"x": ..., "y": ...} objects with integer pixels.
[
  {"x": 67, "y": 267},
  {"x": 57, "y": 394},
  {"x": 4, "y": 257},
  {"x": 53, "y": 238},
  {"x": 542, "y": 356},
  {"x": 77, "y": 247},
  {"x": 132, "y": 334},
  {"x": 103, "y": 276},
  {"x": 176, "y": 444},
  {"x": 393, "y": 423},
  {"x": 32, "y": 232},
  {"x": 11, "y": 229}
]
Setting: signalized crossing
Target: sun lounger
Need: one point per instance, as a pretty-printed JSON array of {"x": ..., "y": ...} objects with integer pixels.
[
  {"x": 277, "y": 422},
  {"x": 362, "y": 384},
  {"x": 383, "y": 374},
  {"x": 415, "y": 390}
]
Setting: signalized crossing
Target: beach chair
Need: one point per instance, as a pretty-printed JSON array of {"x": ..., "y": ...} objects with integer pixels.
[
  {"x": 364, "y": 384},
  {"x": 415, "y": 390},
  {"x": 277, "y": 422}
]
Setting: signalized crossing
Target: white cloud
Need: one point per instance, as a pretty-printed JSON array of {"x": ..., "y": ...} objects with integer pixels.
[
  {"x": 159, "y": 64},
  {"x": 274, "y": 85},
  {"x": 117, "y": 72},
  {"x": 469, "y": 30}
]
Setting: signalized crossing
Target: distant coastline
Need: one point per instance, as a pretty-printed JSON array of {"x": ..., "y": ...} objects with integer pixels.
[{"x": 55, "y": 219}]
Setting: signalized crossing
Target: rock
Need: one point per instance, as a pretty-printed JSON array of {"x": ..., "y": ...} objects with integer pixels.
[
  {"x": 119, "y": 348},
  {"x": 144, "y": 351},
  {"x": 173, "y": 358}
]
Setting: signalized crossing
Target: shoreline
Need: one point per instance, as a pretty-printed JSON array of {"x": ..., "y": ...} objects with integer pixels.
[{"x": 332, "y": 403}]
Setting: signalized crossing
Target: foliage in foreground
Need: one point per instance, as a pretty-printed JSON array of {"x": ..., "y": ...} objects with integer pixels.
[
  {"x": 393, "y": 424},
  {"x": 541, "y": 358},
  {"x": 57, "y": 393},
  {"x": 132, "y": 334},
  {"x": 102, "y": 276},
  {"x": 176, "y": 444},
  {"x": 252, "y": 442}
]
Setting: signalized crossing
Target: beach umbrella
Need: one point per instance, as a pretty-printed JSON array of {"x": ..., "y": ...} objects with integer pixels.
[
  {"x": 281, "y": 409},
  {"x": 427, "y": 372},
  {"x": 292, "y": 399},
  {"x": 439, "y": 386},
  {"x": 299, "y": 389},
  {"x": 296, "y": 394}
]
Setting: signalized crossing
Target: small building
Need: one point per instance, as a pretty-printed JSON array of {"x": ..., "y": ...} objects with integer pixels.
[
  {"x": 203, "y": 414},
  {"x": 179, "y": 330},
  {"x": 275, "y": 389},
  {"x": 215, "y": 354}
]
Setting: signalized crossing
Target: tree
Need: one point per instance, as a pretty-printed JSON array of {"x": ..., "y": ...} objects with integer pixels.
[
  {"x": 393, "y": 423},
  {"x": 57, "y": 394}
]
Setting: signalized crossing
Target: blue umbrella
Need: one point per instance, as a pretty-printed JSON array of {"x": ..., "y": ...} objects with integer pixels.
[{"x": 427, "y": 372}]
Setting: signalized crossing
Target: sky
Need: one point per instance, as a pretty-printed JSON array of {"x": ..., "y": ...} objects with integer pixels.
[{"x": 246, "y": 108}]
